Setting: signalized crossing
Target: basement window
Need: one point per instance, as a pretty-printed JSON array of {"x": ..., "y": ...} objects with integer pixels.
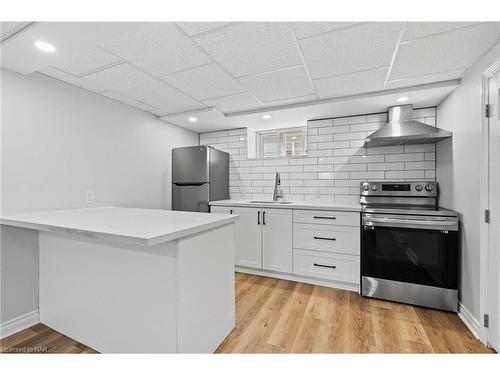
[{"x": 286, "y": 142}]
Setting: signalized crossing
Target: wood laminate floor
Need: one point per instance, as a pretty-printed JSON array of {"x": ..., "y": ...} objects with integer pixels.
[{"x": 279, "y": 316}]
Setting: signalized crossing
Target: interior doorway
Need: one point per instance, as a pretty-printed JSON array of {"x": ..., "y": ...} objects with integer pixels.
[{"x": 493, "y": 279}]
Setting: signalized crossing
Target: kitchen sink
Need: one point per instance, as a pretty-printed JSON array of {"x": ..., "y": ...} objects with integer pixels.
[{"x": 271, "y": 202}]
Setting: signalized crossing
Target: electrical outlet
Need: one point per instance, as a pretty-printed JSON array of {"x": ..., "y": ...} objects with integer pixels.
[{"x": 89, "y": 197}]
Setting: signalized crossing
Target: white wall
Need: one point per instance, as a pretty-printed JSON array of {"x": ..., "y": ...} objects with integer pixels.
[
  {"x": 336, "y": 162},
  {"x": 59, "y": 141},
  {"x": 458, "y": 171}
]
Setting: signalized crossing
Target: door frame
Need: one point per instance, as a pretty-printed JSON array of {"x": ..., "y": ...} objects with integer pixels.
[{"x": 484, "y": 246}]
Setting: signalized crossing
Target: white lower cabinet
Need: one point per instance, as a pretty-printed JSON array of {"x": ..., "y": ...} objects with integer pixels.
[
  {"x": 248, "y": 238},
  {"x": 321, "y": 247},
  {"x": 277, "y": 240}
]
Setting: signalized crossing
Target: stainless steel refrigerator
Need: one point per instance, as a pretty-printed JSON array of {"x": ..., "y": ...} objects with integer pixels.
[{"x": 200, "y": 174}]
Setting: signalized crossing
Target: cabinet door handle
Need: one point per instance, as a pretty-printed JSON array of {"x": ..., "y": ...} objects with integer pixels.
[
  {"x": 325, "y": 238},
  {"x": 325, "y": 217},
  {"x": 258, "y": 218},
  {"x": 264, "y": 217},
  {"x": 324, "y": 265}
]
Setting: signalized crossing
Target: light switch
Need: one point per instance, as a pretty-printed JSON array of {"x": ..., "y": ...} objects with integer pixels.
[{"x": 89, "y": 196}]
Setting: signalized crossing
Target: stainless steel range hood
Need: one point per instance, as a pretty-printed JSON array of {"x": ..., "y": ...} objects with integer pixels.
[{"x": 403, "y": 130}]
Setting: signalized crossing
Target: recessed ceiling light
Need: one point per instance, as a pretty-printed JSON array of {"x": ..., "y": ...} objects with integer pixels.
[
  {"x": 192, "y": 119},
  {"x": 403, "y": 99},
  {"x": 265, "y": 117},
  {"x": 45, "y": 46}
]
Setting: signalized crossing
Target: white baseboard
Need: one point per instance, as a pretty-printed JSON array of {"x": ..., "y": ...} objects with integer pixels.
[
  {"x": 469, "y": 320},
  {"x": 19, "y": 323}
]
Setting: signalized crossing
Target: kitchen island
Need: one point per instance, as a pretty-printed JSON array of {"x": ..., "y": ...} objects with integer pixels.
[{"x": 127, "y": 280}]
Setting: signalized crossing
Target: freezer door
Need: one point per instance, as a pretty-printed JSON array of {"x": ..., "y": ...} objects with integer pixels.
[
  {"x": 190, "y": 165},
  {"x": 190, "y": 197}
]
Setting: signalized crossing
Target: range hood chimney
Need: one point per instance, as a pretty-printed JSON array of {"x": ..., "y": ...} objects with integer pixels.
[{"x": 403, "y": 130}]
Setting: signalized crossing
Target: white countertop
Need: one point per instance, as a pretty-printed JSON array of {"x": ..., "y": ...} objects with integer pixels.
[
  {"x": 304, "y": 205},
  {"x": 124, "y": 225}
]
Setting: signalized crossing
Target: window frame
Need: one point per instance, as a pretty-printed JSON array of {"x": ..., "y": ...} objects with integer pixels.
[{"x": 280, "y": 135}]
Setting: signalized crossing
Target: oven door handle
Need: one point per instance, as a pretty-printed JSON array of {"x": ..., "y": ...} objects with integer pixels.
[{"x": 431, "y": 224}]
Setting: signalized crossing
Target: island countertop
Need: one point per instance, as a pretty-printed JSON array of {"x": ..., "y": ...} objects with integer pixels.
[{"x": 136, "y": 226}]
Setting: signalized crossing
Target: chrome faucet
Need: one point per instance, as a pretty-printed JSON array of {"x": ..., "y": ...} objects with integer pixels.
[{"x": 278, "y": 192}]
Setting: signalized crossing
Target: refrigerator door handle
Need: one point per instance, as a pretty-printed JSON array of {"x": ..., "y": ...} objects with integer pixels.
[{"x": 189, "y": 183}]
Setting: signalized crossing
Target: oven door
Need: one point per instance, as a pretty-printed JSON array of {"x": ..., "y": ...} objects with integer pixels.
[{"x": 410, "y": 249}]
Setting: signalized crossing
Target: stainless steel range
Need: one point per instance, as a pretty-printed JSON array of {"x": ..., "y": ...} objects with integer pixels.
[{"x": 409, "y": 246}]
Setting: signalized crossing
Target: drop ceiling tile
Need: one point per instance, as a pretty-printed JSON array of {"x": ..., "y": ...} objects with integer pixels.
[
  {"x": 351, "y": 84},
  {"x": 358, "y": 48},
  {"x": 415, "y": 30},
  {"x": 205, "y": 82},
  {"x": 308, "y": 29},
  {"x": 453, "y": 50},
  {"x": 132, "y": 83},
  {"x": 252, "y": 47},
  {"x": 234, "y": 103},
  {"x": 279, "y": 84},
  {"x": 298, "y": 100},
  {"x": 195, "y": 28},
  {"x": 86, "y": 61},
  {"x": 9, "y": 28},
  {"x": 68, "y": 78},
  {"x": 159, "y": 48},
  {"x": 128, "y": 101},
  {"x": 438, "y": 77}
]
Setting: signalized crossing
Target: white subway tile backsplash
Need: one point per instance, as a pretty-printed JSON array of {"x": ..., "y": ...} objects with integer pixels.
[
  {"x": 319, "y": 123},
  {"x": 333, "y": 175},
  {"x": 318, "y": 168},
  {"x": 318, "y": 153},
  {"x": 336, "y": 164},
  {"x": 349, "y": 167},
  {"x": 405, "y": 157},
  {"x": 320, "y": 138},
  {"x": 385, "y": 150},
  {"x": 386, "y": 166},
  {"x": 349, "y": 136},
  {"x": 430, "y": 156},
  {"x": 349, "y": 120},
  {"x": 420, "y": 148},
  {"x": 419, "y": 165},
  {"x": 367, "y": 159},
  {"x": 334, "y": 130},
  {"x": 401, "y": 175},
  {"x": 369, "y": 175},
  {"x": 369, "y": 127},
  {"x": 430, "y": 174},
  {"x": 266, "y": 169}
]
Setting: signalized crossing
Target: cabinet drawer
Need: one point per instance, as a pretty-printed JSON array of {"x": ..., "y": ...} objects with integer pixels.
[
  {"x": 326, "y": 217},
  {"x": 338, "y": 267},
  {"x": 331, "y": 238}
]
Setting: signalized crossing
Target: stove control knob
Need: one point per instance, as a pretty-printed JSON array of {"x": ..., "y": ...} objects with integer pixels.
[
  {"x": 374, "y": 187},
  {"x": 419, "y": 187},
  {"x": 429, "y": 187},
  {"x": 366, "y": 187}
]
